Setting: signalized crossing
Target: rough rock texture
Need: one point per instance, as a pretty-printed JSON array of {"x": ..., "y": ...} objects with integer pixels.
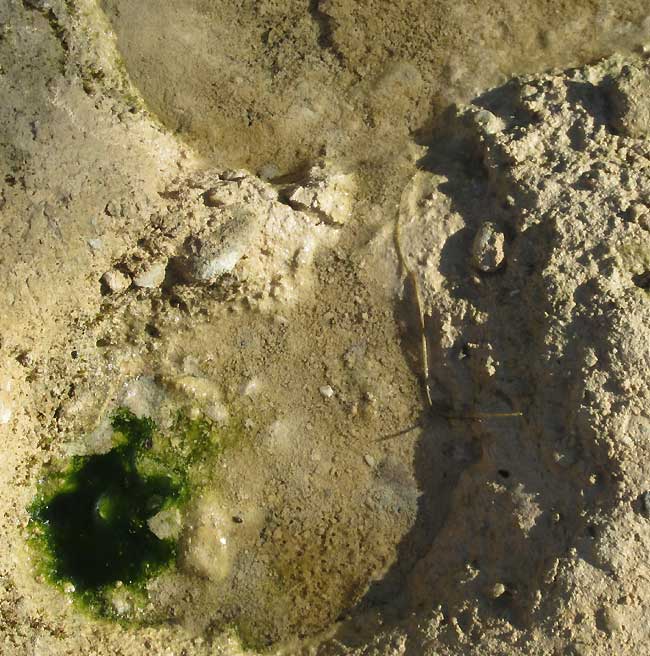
[
  {"x": 231, "y": 230},
  {"x": 487, "y": 248},
  {"x": 631, "y": 114},
  {"x": 327, "y": 192},
  {"x": 543, "y": 365},
  {"x": 502, "y": 506}
]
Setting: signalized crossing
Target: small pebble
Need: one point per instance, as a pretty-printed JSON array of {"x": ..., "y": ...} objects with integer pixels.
[
  {"x": 487, "y": 250},
  {"x": 95, "y": 244},
  {"x": 166, "y": 524},
  {"x": 591, "y": 359},
  {"x": 490, "y": 123},
  {"x": 326, "y": 391},
  {"x": 238, "y": 519},
  {"x": 115, "y": 281},
  {"x": 497, "y": 590},
  {"x": 370, "y": 461},
  {"x": 269, "y": 171},
  {"x": 152, "y": 276}
]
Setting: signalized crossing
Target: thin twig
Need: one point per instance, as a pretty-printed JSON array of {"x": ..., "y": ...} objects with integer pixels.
[{"x": 424, "y": 352}]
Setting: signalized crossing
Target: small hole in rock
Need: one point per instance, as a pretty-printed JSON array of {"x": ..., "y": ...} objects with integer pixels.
[
  {"x": 644, "y": 501},
  {"x": 504, "y": 473},
  {"x": 24, "y": 358},
  {"x": 642, "y": 280},
  {"x": 179, "y": 303},
  {"x": 152, "y": 330}
]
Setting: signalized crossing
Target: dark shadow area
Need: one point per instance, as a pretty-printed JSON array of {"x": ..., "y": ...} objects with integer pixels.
[
  {"x": 443, "y": 452},
  {"x": 504, "y": 103},
  {"x": 594, "y": 99},
  {"x": 326, "y": 27},
  {"x": 642, "y": 280},
  {"x": 509, "y": 459}
]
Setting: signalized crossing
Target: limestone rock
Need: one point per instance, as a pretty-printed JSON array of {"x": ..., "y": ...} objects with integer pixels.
[
  {"x": 327, "y": 192},
  {"x": 116, "y": 281},
  {"x": 151, "y": 275},
  {"x": 487, "y": 249}
]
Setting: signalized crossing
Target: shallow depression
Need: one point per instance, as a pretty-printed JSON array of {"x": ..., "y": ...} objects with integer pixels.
[
  {"x": 286, "y": 526},
  {"x": 269, "y": 86}
]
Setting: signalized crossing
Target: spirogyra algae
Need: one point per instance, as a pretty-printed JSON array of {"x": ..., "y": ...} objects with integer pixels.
[{"x": 89, "y": 521}]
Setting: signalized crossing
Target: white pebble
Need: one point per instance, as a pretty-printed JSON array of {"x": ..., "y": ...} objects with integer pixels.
[
  {"x": 326, "y": 391},
  {"x": 95, "y": 244},
  {"x": 487, "y": 249},
  {"x": 250, "y": 387},
  {"x": 152, "y": 276},
  {"x": 269, "y": 171},
  {"x": 116, "y": 281},
  {"x": 213, "y": 268}
]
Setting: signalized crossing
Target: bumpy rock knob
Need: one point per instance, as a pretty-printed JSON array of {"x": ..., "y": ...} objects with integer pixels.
[{"x": 487, "y": 249}]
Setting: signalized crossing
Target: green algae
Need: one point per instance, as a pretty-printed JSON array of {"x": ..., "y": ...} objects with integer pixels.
[{"x": 89, "y": 520}]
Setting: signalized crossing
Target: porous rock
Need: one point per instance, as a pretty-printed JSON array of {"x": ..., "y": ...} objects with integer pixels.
[
  {"x": 630, "y": 100},
  {"x": 487, "y": 248},
  {"x": 562, "y": 423}
]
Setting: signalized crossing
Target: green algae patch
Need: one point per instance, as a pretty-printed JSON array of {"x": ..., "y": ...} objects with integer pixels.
[{"x": 90, "y": 521}]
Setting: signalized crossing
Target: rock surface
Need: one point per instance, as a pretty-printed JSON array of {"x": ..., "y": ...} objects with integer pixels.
[
  {"x": 487, "y": 248},
  {"x": 506, "y": 506},
  {"x": 560, "y": 422}
]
